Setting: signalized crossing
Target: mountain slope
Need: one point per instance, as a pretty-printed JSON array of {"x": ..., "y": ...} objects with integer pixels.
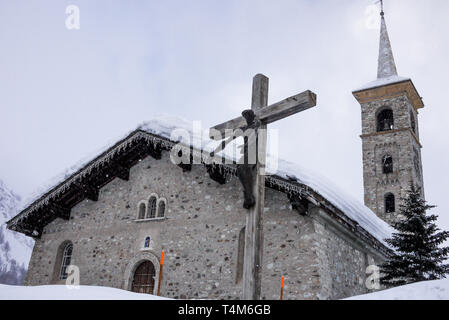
[{"x": 15, "y": 248}]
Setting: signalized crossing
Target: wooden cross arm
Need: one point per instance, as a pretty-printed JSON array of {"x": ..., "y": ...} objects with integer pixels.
[{"x": 272, "y": 113}]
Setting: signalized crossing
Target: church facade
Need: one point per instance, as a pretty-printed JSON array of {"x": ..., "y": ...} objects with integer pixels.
[
  {"x": 200, "y": 231},
  {"x": 113, "y": 217}
]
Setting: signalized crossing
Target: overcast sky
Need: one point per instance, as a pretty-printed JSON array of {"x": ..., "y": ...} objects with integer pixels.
[{"x": 65, "y": 93}]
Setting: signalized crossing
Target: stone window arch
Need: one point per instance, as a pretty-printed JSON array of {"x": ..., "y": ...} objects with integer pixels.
[
  {"x": 387, "y": 164},
  {"x": 152, "y": 207},
  {"x": 141, "y": 210},
  {"x": 390, "y": 205},
  {"x": 63, "y": 260},
  {"x": 161, "y": 206},
  {"x": 385, "y": 120},
  {"x": 134, "y": 264}
]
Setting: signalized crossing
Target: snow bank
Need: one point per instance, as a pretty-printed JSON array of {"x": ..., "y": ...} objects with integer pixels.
[
  {"x": 427, "y": 290},
  {"x": 62, "y": 292},
  {"x": 167, "y": 126}
]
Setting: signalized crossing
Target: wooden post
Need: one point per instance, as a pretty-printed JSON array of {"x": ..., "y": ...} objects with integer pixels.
[
  {"x": 282, "y": 287},
  {"x": 160, "y": 274},
  {"x": 252, "y": 265}
]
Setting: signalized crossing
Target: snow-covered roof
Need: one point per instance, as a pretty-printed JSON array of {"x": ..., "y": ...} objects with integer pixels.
[
  {"x": 353, "y": 208},
  {"x": 350, "y": 206},
  {"x": 382, "y": 82},
  {"x": 168, "y": 127}
]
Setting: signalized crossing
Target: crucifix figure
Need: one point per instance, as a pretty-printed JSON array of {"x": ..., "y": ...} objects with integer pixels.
[
  {"x": 252, "y": 125},
  {"x": 246, "y": 169}
]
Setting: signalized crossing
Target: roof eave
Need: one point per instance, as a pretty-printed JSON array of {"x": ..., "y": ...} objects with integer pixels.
[
  {"x": 391, "y": 89},
  {"x": 300, "y": 188}
]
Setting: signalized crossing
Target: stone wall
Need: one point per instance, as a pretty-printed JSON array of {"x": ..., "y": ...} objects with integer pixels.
[
  {"x": 399, "y": 143},
  {"x": 200, "y": 236},
  {"x": 343, "y": 260}
]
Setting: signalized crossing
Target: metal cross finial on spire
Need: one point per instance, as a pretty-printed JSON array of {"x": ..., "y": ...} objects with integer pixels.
[{"x": 381, "y": 7}]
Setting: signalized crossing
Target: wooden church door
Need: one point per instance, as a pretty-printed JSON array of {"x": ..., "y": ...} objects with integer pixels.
[{"x": 143, "y": 280}]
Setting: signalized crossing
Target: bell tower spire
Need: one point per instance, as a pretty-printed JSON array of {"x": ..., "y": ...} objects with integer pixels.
[
  {"x": 386, "y": 65},
  {"x": 390, "y": 134}
]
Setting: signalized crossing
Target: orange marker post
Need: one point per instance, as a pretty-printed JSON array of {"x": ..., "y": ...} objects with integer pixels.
[
  {"x": 282, "y": 287},
  {"x": 160, "y": 274}
]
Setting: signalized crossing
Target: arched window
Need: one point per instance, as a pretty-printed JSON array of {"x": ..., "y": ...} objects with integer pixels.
[
  {"x": 387, "y": 164},
  {"x": 65, "y": 262},
  {"x": 390, "y": 203},
  {"x": 412, "y": 121},
  {"x": 152, "y": 208},
  {"x": 142, "y": 209},
  {"x": 385, "y": 121},
  {"x": 147, "y": 242},
  {"x": 161, "y": 209}
]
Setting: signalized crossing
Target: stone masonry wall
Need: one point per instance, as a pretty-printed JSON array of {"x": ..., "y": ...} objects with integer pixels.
[
  {"x": 398, "y": 143},
  {"x": 200, "y": 236},
  {"x": 343, "y": 264}
]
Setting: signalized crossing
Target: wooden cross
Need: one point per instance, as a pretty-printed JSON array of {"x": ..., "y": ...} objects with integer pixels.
[{"x": 252, "y": 264}]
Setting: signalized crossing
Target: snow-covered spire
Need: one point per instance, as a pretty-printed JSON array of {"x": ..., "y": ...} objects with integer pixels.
[{"x": 386, "y": 67}]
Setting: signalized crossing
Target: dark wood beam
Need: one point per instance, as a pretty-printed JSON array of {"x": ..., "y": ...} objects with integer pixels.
[
  {"x": 121, "y": 172},
  {"x": 118, "y": 166},
  {"x": 88, "y": 191},
  {"x": 60, "y": 211},
  {"x": 91, "y": 193},
  {"x": 266, "y": 115},
  {"x": 299, "y": 204},
  {"x": 216, "y": 174},
  {"x": 30, "y": 230},
  {"x": 185, "y": 165},
  {"x": 155, "y": 151}
]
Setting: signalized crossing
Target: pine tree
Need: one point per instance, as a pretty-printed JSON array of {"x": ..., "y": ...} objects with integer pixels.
[{"x": 418, "y": 255}]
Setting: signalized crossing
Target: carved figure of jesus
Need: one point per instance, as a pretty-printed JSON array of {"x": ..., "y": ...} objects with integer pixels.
[{"x": 246, "y": 166}]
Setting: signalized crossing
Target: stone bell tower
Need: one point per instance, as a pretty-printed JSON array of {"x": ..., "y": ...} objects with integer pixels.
[{"x": 390, "y": 136}]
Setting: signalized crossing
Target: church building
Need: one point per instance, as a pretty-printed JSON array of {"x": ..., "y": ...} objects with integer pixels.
[{"x": 113, "y": 215}]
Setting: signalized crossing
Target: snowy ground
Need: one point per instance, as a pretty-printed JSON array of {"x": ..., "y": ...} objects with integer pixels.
[
  {"x": 427, "y": 290},
  {"x": 61, "y": 292}
]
